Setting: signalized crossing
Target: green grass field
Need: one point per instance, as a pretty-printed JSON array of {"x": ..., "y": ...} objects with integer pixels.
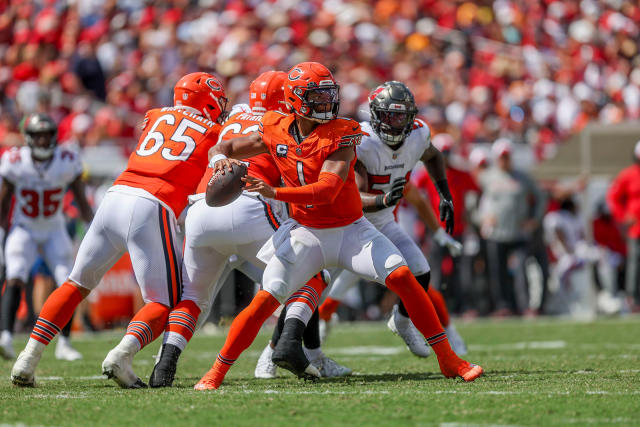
[{"x": 540, "y": 372}]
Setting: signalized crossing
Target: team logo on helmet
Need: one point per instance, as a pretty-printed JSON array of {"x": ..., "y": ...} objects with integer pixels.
[{"x": 295, "y": 74}]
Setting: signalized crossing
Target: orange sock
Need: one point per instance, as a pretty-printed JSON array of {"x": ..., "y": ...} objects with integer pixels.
[
  {"x": 148, "y": 323},
  {"x": 183, "y": 318},
  {"x": 56, "y": 312},
  {"x": 328, "y": 307},
  {"x": 441, "y": 307},
  {"x": 424, "y": 317},
  {"x": 243, "y": 331}
]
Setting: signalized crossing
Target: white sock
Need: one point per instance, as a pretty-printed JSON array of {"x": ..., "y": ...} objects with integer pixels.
[
  {"x": 300, "y": 311},
  {"x": 176, "y": 339},
  {"x": 34, "y": 346},
  {"x": 129, "y": 344}
]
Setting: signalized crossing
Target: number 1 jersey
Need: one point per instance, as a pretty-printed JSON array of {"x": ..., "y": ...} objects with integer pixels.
[
  {"x": 171, "y": 156},
  {"x": 39, "y": 187},
  {"x": 300, "y": 164}
]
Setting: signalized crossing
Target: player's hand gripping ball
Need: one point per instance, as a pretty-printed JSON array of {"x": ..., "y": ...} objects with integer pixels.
[{"x": 226, "y": 184}]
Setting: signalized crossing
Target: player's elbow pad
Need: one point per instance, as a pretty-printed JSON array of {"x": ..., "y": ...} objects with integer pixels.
[{"x": 322, "y": 192}]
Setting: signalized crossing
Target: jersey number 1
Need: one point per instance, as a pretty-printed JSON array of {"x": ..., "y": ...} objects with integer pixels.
[
  {"x": 154, "y": 140},
  {"x": 299, "y": 168}
]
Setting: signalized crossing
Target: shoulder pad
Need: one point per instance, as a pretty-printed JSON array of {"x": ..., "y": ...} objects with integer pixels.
[{"x": 347, "y": 132}]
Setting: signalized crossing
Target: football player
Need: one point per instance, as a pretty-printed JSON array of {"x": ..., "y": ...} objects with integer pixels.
[
  {"x": 213, "y": 234},
  {"x": 138, "y": 215},
  {"x": 315, "y": 153},
  {"x": 38, "y": 175},
  {"x": 395, "y": 140}
]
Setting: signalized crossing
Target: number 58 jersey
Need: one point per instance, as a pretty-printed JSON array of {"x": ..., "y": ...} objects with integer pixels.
[
  {"x": 384, "y": 164},
  {"x": 171, "y": 156},
  {"x": 39, "y": 187}
]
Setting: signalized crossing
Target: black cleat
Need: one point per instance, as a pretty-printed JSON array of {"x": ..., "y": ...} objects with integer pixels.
[
  {"x": 164, "y": 371},
  {"x": 288, "y": 353}
]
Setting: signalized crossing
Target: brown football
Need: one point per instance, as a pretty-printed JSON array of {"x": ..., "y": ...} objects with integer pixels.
[{"x": 223, "y": 189}]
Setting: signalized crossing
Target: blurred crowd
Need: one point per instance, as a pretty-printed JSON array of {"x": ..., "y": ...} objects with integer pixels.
[
  {"x": 518, "y": 72},
  {"x": 534, "y": 72}
]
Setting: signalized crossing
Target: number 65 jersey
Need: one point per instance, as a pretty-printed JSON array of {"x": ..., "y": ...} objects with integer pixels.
[
  {"x": 171, "y": 157},
  {"x": 39, "y": 187}
]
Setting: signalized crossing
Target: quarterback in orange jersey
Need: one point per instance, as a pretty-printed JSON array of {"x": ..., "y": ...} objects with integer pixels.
[
  {"x": 213, "y": 234},
  {"x": 315, "y": 152},
  {"x": 138, "y": 215}
]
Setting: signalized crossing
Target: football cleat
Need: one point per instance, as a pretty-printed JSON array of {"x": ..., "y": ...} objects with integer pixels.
[
  {"x": 289, "y": 355},
  {"x": 457, "y": 343},
  {"x": 265, "y": 368},
  {"x": 22, "y": 373},
  {"x": 164, "y": 371},
  {"x": 117, "y": 366},
  {"x": 467, "y": 371},
  {"x": 64, "y": 350},
  {"x": 6, "y": 346},
  {"x": 329, "y": 368},
  {"x": 404, "y": 327},
  {"x": 208, "y": 381}
]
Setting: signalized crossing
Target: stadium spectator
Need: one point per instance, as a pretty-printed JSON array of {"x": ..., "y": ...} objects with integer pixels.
[
  {"x": 624, "y": 201},
  {"x": 511, "y": 207},
  {"x": 457, "y": 274}
]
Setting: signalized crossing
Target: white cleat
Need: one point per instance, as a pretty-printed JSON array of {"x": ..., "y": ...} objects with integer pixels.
[
  {"x": 64, "y": 350},
  {"x": 329, "y": 368},
  {"x": 457, "y": 343},
  {"x": 118, "y": 367},
  {"x": 404, "y": 327},
  {"x": 265, "y": 368},
  {"x": 6, "y": 346},
  {"x": 24, "y": 369}
]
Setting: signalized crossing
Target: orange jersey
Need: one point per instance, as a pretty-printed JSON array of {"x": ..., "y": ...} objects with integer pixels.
[
  {"x": 261, "y": 166},
  {"x": 171, "y": 156},
  {"x": 300, "y": 164}
]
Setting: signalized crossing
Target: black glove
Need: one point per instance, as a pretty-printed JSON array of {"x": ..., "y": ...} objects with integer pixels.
[
  {"x": 392, "y": 197},
  {"x": 446, "y": 205}
]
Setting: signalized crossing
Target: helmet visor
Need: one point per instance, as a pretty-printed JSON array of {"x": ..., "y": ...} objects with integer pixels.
[
  {"x": 323, "y": 102},
  {"x": 396, "y": 121}
]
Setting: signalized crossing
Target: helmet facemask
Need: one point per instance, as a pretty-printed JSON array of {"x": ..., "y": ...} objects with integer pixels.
[
  {"x": 319, "y": 104},
  {"x": 42, "y": 144},
  {"x": 392, "y": 125}
]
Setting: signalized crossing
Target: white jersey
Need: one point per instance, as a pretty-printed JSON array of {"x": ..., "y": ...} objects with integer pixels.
[
  {"x": 384, "y": 165},
  {"x": 39, "y": 187}
]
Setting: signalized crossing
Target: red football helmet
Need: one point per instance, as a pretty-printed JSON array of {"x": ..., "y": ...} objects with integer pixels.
[
  {"x": 202, "y": 92},
  {"x": 310, "y": 91},
  {"x": 266, "y": 92}
]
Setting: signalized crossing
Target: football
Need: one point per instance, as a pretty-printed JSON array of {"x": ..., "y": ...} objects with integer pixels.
[{"x": 223, "y": 189}]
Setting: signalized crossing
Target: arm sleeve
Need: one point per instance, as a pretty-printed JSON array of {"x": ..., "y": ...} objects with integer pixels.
[{"x": 322, "y": 192}]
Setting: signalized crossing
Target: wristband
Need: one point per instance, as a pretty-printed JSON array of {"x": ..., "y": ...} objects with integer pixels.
[
  {"x": 215, "y": 158},
  {"x": 380, "y": 204}
]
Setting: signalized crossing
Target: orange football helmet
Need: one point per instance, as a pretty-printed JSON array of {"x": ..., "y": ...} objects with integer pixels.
[
  {"x": 310, "y": 91},
  {"x": 202, "y": 92},
  {"x": 266, "y": 92}
]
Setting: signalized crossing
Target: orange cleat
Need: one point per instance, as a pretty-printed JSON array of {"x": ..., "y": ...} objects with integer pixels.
[
  {"x": 465, "y": 370},
  {"x": 210, "y": 381}
]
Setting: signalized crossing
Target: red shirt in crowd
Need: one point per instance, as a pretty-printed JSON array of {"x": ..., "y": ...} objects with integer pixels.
[
  {"x": 460, "y": 183},
  {"x": 624, "y": 199}
]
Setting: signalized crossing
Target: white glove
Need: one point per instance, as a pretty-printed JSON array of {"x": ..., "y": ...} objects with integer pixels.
[{"x": 443, "y": 239}]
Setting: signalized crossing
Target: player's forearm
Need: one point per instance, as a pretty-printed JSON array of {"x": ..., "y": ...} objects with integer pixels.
[
  {"x": 436, "y": 167},
  {"x": 370, "y": 202},
  {"x": 322, "y": 192},
  {"x": 241, "y": 147}
]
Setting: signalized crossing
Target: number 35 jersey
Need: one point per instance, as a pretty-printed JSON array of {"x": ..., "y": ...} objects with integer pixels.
[
  {"x": 171, "y": 156},
  {"x": 39, "y": 187},
  {"x": 384, "y": 165},
  {"x": 300, "y": 164}
]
